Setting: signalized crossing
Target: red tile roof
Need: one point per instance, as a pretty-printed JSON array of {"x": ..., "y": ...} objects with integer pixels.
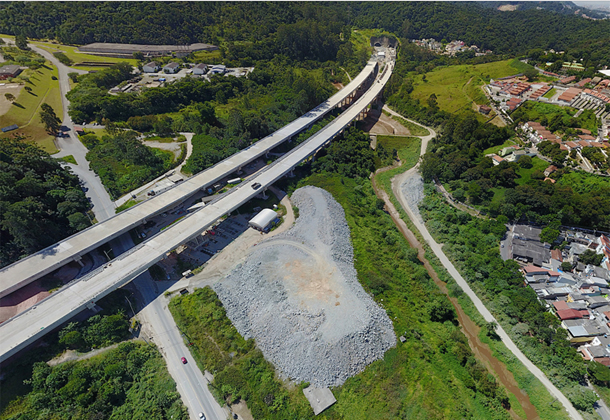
[{"x": 569, "y": 314}]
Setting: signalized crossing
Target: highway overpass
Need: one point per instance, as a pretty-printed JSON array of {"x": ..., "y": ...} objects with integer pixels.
[
  {"x": 28, "y": 269},
  {"x": 62, "y": 305}
]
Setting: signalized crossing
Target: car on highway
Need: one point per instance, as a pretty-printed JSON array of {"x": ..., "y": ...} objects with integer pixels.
[
  {"x": 202, "y": 416},
  {"x": 183, "y": 360},
  {"x": 256, "y": 186}
]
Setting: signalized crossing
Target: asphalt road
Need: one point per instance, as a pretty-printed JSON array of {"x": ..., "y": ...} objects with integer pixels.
[
  {"x": 191, "y": 383},
  {"x": 103, "y": 207},
  {"x": 437, "y": 249}
]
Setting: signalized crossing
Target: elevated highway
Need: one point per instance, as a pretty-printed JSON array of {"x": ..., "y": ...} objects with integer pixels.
[
  {"x": 28, "y": 269},
  {"x": 48, "y": 314}
]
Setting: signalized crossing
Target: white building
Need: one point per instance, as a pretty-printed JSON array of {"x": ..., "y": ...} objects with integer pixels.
[
  {"x": 151, "y": 67},
  {"x": 263, "y": 219},
  {"x": 219, "y": 69},
  {"x": 200, "y": 69},
  {"x": 171, "y": 68}
]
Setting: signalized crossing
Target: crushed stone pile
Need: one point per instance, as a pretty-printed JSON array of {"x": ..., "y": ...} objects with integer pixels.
[{"x": 298, "y": 296}]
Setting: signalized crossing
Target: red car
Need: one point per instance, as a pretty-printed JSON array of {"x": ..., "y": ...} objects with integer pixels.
[{"x": 183, "y": 360}]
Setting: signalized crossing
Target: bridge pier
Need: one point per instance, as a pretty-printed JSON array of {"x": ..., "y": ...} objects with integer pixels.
[{"x": 79, "y": 259}]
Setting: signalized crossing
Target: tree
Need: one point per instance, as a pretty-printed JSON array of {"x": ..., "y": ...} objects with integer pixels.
[
  {"x": 28, "y": 89},
  {"x": 9, "y": 97},
  {"x": 590, "y": 257},
  {"x": 73, "y": 76},
  {"x": 21, "y": 42},
  {"x": 566, "y": 266},
  {"x": 525, "y": 162},
  {"x": 549, "y": 234},
  {"x": 138, "y": 55},
  {"x": 49, "y": 119},
  {"x": 531, "y": 74}
]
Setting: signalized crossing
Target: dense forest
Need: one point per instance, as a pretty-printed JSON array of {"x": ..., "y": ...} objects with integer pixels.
[
  {"x": 40, "y": 202},
  {"x": 269, "y": 27},
  {"x": 128, "y": 382}
]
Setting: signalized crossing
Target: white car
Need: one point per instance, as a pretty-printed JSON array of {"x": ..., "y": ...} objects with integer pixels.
[{"x": 202, "y": 416}]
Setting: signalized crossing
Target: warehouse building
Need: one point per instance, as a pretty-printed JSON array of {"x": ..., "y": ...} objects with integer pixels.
[
  {"x": 263, "y": 220},
  {"x": 127, "y": 50}
]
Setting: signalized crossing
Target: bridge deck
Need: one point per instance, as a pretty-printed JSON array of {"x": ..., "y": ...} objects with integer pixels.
[{"x": 49, "y": 259}]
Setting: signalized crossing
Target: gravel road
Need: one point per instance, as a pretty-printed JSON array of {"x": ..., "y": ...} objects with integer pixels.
[
  {"x": 400, "y": 187},
  {"x": 298, "y": 295}
]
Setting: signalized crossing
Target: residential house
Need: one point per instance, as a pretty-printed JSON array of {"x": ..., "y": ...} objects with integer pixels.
[
  {"x": 11, "y": 70},
  {"x": 548, "y": 171}
]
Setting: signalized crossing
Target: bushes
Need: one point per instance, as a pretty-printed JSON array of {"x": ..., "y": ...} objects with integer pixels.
[
  {"x": 129, "y": 382},
  {"x": 123, "y": 163},
  {"x": 63, "y": 58}
]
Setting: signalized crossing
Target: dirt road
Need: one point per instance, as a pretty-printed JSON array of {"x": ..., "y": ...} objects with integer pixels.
[{"x": 437, "y": 249}]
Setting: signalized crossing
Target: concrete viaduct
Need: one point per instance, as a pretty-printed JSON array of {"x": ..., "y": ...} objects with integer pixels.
[
  {"x": 32, "y": 324},
  {"x": 28, "y": 269}
]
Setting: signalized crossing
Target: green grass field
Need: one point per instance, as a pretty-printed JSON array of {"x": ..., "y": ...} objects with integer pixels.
[
  {"x": 526, "y": 174},
  {"x": 407, "y": 147},
  {"x": 44, "y": 89},
  {"x": 457, "y": 88},
  {"x": 416, "y": 130},
  {"x": 68, "y": 159},
  {"x": 550, "y": 93}
]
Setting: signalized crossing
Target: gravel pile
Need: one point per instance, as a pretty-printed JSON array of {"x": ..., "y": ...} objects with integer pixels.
[
  {"x": 413, "y": 190},
  {"x": 298, "y": 296}
]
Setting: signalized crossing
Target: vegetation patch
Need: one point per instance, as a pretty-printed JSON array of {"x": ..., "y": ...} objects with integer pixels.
[
  {"x": 74, "y": 57},
  {"x": 123, "y": 163},
  {"x": 25, "y": 110},
  {"x": 555, "y": 117},
  {"x": 550, "y": 93},
  {"x": 42, "y": 202},
  {"x": 130, "y": 381},
  {"x": 67, "y": 159},
  {"x": 415, "y": 129}
]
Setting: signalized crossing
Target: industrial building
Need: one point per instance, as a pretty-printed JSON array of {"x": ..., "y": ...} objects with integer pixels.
[
  {"x": 127, "y": 50},
  {"x": 263, "y": 219}
]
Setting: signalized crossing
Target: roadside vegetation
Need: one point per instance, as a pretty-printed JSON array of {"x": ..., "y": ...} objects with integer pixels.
[
  {"x": 109, "y": 326},
  {"x": 123, "y": 163},
  {"x": 472, "y": 245},
  {"x": 128, "y": 382},
  {"x": 414, "y": 129}
]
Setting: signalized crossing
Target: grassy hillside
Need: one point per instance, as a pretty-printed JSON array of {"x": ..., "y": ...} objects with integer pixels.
[
  {"x": 25, "y": 110},
  {"x": 457, "y": 88}
]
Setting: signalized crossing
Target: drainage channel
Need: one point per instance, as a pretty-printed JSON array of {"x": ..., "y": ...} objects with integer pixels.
[{"x": 469, "y": 328}]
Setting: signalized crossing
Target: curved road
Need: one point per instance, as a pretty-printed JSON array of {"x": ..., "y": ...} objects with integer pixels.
[
  {"x": 190, "y": 382},
  {"x": 103, "y": 206},
  {"x": 397, "y": 181}
]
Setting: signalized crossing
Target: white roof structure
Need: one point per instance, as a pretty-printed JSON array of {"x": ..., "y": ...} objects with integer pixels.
[{"x": 262, "y": 219}]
